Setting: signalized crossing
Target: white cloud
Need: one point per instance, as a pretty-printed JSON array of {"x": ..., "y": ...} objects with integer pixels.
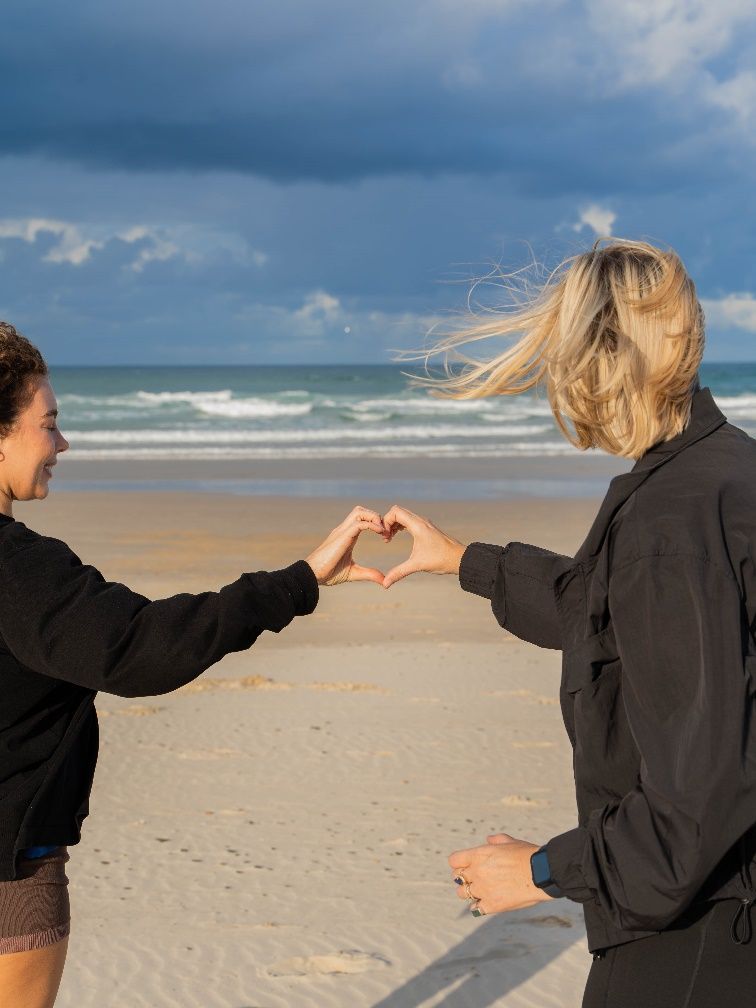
[
  {"x": 319, "y": 305},
  {"x": 736, "y": 311},
  {"x": 599, "y": 219},
  {"x": 654, "y": 41},
  {"x": 672, "y": 44},
  {"x": 158, "y": 249},
  {"x": 76, "y": 242},
  {"x": 72, "y": 246},
  {"x": 736, "y": 95}
]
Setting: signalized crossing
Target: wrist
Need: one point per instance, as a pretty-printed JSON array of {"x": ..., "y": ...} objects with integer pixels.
[
  {"x": 540, "y": 873},
  {"x": 455, "y": 556}
]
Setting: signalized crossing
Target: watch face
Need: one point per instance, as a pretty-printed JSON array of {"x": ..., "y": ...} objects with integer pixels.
[{"x": 541, "y": 869}]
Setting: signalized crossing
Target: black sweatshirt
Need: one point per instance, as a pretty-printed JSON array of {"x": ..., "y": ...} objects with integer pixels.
[
  {"x": 66, "y": 633},
  {"x": 656, "y": 619}
]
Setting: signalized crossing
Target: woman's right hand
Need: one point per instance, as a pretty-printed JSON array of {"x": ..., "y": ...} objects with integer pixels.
[
  {"x": 433, "y": 551},
  {"x": 332, "y": 561}
]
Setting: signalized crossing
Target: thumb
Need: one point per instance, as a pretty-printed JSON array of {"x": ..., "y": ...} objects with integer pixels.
[
  {"x": 360, "y": 573},
  {"x": 402, "y": 570},
  {"x": 500, "y": 838}
]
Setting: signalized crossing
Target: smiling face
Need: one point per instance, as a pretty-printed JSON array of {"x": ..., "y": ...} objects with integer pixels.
[{"x": 29, "y": 451}]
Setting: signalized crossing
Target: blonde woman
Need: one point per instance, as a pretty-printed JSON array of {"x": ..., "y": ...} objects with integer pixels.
[{"x": 655, "y": 617}]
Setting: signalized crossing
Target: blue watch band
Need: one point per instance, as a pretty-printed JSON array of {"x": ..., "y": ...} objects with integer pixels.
[{"x": 541, "y": 872}]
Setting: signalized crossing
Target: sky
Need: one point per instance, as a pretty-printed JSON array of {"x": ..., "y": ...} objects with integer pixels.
[{"x": 235, "y": 182}]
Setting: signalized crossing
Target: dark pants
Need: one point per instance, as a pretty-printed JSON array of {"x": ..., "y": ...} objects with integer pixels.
[{"x": 693, "y": 964}]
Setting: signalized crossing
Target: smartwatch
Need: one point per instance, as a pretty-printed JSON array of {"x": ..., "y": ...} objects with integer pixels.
[{"x": 541, "y": 872}]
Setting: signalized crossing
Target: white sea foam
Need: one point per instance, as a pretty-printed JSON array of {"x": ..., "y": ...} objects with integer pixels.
[
  {"x": 193, "y": 435},
  {"x": 252, "y": 409},
  {"x": 512, "y": 449},
  {"x": 743, "y": 401},
  {"x": 409, "y": 404},
  {"x": 489, "y": 409},
  {"x": 191, "y": 397},
  {"x": 221, "y": 404},
  {"x": 369, "y": 417}
]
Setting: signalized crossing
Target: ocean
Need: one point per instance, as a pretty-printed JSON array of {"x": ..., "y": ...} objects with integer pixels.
[{"x": 316, "y": 412}]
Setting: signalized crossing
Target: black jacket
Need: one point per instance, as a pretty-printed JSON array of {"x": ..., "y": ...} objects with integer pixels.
[
  {"x": 656, "y": 619},
  {"x": 66, "y": 633}
]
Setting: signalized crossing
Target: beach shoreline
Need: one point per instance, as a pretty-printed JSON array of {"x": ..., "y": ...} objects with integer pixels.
[{"x": 427, "y": 479}]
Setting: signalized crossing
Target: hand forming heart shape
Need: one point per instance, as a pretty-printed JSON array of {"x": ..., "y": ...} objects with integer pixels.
[{"x": 432, "y": 550}]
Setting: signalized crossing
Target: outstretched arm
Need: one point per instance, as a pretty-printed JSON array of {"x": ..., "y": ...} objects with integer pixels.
[
  {"x": 61, "y": 618},
  {"x": 518, "y": 579}
]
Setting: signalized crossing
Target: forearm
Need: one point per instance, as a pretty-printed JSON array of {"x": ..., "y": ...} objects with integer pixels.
[
  {"x": 172, "y": 641},
  {"x": 61, "y": 618},
  {"x": 519, "y": 580}
]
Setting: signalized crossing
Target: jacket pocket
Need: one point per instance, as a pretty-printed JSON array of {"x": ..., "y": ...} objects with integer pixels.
[
  {"x": 606, "y": 759},
  {"x": 585, "y": 663}
]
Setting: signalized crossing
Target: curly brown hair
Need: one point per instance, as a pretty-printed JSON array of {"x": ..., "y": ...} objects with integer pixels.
[{"x": 20, "y": 364}]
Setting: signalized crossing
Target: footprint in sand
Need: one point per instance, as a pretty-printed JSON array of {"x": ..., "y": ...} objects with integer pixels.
[
  {"x": 258, "y": 682},
  {"x": 135, "y": 710},
  {"x": 348, "y": 961},
  {"x": 534, "y": 745},
  {"x": 521, "y": 801},
  {"x": 207, "y": 754}
]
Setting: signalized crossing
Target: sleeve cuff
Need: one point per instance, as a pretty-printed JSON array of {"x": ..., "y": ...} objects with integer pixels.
[
  {"x": 565, "y": 853},
  {"x": 300, "y": 582},
  {"x": 479, "y": 567}
]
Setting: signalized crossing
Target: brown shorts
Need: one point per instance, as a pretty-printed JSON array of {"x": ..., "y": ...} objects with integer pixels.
[{"x": 34, "y": 908}]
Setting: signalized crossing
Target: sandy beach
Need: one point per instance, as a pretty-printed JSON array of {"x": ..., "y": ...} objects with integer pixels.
[{"x": 275, "y": 834}]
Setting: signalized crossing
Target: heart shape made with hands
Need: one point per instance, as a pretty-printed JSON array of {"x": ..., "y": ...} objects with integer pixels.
[{"x": 432, "y": 550}]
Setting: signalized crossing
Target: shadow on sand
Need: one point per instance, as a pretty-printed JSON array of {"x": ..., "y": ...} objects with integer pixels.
[{"x": 498, "y": 956}]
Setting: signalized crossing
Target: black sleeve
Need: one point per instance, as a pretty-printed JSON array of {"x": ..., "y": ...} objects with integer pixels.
[
  {"x": 688, "y": 699},
  {"x": 60, "y": 617},
  {"x": 519, "y": 581}
]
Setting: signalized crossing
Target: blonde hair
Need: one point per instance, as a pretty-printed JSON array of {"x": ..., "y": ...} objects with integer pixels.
[{"x": 615, "y": 335}]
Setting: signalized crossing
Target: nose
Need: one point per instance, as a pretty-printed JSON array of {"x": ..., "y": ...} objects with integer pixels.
[{"x": 61, "y": 444}]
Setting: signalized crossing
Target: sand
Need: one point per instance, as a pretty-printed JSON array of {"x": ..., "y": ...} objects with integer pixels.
[{"x": 276, "y": 833}]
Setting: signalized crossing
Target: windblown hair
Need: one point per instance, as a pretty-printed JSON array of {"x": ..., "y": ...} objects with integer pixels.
[
  {"x": 21, "y": 367},
  {"x": 616, "y": 336}
]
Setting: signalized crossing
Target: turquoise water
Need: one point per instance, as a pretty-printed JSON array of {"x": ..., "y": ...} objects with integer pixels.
[{"x": 316, "y": 413}]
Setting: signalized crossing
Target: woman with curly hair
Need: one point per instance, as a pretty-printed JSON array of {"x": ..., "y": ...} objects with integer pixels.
[{"x": 65, "y": 633}]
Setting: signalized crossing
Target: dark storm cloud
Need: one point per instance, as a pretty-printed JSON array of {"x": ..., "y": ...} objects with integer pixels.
[
  {"x": 230, "y": 180},
  {"x": 335, "y": 92}
]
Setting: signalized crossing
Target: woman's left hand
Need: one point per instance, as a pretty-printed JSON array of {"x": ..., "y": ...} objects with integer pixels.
[
  {"x": 332, "y": 561},
  {"x": 498, "y": 875}
]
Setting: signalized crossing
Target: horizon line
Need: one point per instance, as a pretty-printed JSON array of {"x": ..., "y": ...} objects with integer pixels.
[{"x": 237, "y": 364}]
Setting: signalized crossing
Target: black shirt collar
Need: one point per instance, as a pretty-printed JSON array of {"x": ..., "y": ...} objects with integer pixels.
[{"x": 705, "y": 417}]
